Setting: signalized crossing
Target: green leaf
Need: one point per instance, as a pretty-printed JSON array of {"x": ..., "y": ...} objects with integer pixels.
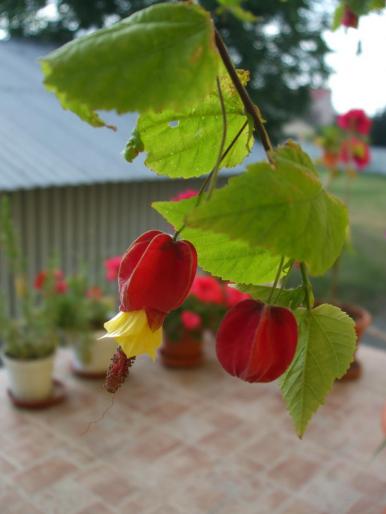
[
  {"x": 161, "y": 57},
  {"x": 186, "y": 143},
  {"x": 133, "y": 147},
  {"x": 325, "y": 350},
  {"x": 235, "y": 8},
  {"x": 229, "y": 259},
  {"x": 338, "y": 16},
  {"x": 291, "y": 153},
  {"x": 283, "y": 209},
  {"x": 291, "y": 298}
]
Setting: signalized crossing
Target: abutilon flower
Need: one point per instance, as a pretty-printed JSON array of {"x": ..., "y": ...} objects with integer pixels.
[
  {"x": 257, "y": 342},
  {"x": 155, "y": 277}
]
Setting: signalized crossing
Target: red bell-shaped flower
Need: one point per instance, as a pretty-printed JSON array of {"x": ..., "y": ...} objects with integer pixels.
[
  {"x": 257, "y": 342},
  {"x": 156, "y": 275}
]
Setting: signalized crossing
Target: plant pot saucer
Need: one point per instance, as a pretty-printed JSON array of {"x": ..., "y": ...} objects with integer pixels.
[
  {"x": 58, "y": 396},
  {"x": 88, "y": 375}
]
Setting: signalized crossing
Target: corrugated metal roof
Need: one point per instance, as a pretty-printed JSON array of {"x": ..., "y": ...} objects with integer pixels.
[{"x": 41, "y": 144}]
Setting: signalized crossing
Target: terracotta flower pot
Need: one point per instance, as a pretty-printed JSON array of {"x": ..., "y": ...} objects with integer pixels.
[
  {"x": 362, "y": 320},
  {"x": 185, "y": 353}
]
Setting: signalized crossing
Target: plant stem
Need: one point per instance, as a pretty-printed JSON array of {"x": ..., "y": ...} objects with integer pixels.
[
  {"x": 214, "y": 173},
  {"x": 306, "y": 285},
  {"x": 249, "y": 106},
  {"x": 208, "y": 178},
  {"x": 277, "y": 278}
]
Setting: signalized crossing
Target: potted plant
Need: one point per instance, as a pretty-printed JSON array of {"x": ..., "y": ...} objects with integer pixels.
[
  {"x": 346, "y": 151},
  {"x": 91, "y": 355},
  {"x": 29, "y": 342},
  {"x": 200, "y": 314}
]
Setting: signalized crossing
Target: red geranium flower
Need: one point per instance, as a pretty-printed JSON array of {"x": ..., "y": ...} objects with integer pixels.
[
  {"x": 60, "y": 285},
  {"x": 191, "y": 320},
  {"x": 207, "y": 289},
  {"x": 94, "y": 293},
  {"x": 355, "y": 150},
  {"x": 184, "y": 195},
  {"x": 355, "y": 120},
  {"x": 112, "y": 267}
]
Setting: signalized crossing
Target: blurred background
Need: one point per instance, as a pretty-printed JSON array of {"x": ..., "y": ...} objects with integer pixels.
[{"x": 75, "y": 204}]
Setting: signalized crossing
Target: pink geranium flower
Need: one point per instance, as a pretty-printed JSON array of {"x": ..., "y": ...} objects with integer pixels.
[
  {"x": 112, "y": 267},
  {"x": 234, "y": 296},
  {"x": 355, "y": 120},
  {"x": 191, "y": 320},
  {"x": 184, "y": 195},
  {"x": 207, "y": 289}
]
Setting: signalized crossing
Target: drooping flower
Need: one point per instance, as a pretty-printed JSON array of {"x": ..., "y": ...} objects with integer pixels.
[
  {"x": 112, "y": 267},
  {"x": 257, "y": 342},
  {"x": 184, "y": 195},
  {"x": 155, "y": 277},
  {"x": 207, "y": 289},
  {"x": 349, "y": 19},
  {"x": 191, "y": 320},
  {"x": 355, "y": 120}
]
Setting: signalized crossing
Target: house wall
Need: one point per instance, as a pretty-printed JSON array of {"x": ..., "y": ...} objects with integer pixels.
[{"x": 79, "y": 226}]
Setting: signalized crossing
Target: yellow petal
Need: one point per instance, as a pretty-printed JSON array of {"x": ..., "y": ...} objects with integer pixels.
[{"x": 132, "y": 332}]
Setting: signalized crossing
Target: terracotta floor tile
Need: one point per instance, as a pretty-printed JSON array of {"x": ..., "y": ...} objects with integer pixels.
[
  {"x": 366, "y": 506},
  {"x": 294, "y": 471},
  {"x": 14, "y": 503},
  {"x": 44, "y": 474},
  {"x": 297, "y": 506},
  {"x": 193, "y": 442},
  {"x": 96, "y": 508},
  {"x": 370, "y": 485}
]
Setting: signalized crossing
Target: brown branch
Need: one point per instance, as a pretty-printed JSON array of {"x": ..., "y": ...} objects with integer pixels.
[{"x": 249, "y": 106}]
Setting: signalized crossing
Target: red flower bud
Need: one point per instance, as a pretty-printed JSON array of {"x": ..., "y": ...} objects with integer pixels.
[
  {"x": 350, "y": 19},
  {"x": 257, "y": 342},
  {"x": 155, "y": 275}
]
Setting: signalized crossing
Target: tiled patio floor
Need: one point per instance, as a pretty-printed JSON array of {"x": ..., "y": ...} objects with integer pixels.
[{"x": 195, "y": 442}]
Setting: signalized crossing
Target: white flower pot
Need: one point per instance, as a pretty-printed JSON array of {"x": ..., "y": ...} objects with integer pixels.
[
  {"x": 30, "y": 380},
  {"x": 101, "y": 352}
]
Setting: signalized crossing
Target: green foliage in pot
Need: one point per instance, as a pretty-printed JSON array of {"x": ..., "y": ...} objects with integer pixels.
[{"x": 32, "y": 335}]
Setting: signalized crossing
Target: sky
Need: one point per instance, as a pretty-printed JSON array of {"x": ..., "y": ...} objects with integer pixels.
[{"x": 359, "y": 81}]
